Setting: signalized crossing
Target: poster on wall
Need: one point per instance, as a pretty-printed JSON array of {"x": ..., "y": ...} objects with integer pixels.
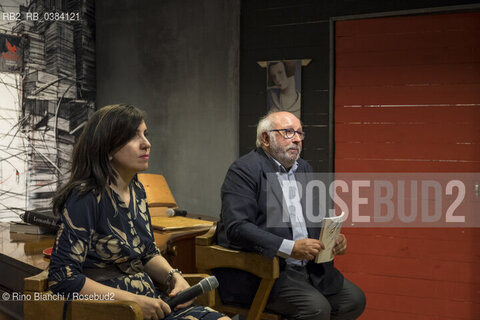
[
  {"x": 10, "y": 53},
  {"x": 284, "y": 86}
]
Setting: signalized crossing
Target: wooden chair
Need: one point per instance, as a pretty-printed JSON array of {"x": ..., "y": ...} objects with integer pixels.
[
  {"x": 159, "y": 199},
  {"x": 159, "y": 196},
  {"x": 39, "y": 306},
  {"x": 210, "y": 256}
]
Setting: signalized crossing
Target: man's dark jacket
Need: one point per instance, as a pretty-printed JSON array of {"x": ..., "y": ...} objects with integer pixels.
[{"x": 247, "y": 196}]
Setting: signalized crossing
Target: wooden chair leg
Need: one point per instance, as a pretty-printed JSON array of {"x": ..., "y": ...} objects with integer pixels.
[{"x": 260, "y": 300}]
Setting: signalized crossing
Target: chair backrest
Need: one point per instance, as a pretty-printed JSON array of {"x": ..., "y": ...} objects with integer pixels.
[
  {"x": 210, "y": 256},
  {"x": 159, "y": 196}
]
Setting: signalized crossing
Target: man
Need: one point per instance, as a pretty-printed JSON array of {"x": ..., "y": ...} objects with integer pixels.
[{"x": 249, "y": 221}]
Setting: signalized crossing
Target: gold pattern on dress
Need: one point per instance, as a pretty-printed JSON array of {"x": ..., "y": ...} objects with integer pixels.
[
  {"x": 59, "y": 233},
  {"x": 78, "y": 251},
  {"x": 108, "y": 248},
  {"x": 137, "y": 284},
  {"x": 119, "y": 232},
  {"x": 122, "y": 259},
  {"x": 134, "y": 201},
  {"x": 70, "y": 223},
  {"x": 113, "y": 245},
  {"x": 68, "y": 271}
]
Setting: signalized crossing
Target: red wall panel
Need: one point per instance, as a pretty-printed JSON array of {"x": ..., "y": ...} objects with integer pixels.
[{"x": 407, "y": 99}]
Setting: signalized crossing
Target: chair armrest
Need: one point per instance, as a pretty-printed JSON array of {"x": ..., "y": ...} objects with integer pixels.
[
  {"x": 125, "y": 310},
  {"x": 206, "y": 299},
  {"x": 82, "y": 309},
  {"x": 206, "y": 239},
  {"x": 45, "y": 305},
  {"x": 37, "y": 283},
  {"x": 194, "y": 278},
  {"x": 215, "y": 256}
]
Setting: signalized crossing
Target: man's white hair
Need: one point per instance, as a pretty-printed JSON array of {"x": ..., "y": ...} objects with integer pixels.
[{"x": 265, "y": 124}]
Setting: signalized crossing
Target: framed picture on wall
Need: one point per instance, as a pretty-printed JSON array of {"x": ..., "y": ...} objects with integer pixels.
[{"x": 284, "y": 86}]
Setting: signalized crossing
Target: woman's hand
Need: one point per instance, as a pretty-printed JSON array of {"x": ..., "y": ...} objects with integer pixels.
[
  {"x": 152, "y": 308},
  {"x": 180, "y": 284}
]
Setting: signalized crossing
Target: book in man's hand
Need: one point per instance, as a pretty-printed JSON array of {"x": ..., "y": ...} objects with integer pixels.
[
  {"x": 22, "y": 227},
  {"x": 328, "y": 236}
]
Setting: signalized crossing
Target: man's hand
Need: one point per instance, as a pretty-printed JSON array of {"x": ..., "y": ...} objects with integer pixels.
[
  {"x": 340, "y": 245},
  {"x": 180, "y": 285},
  {"x": 306, "y": 249}
]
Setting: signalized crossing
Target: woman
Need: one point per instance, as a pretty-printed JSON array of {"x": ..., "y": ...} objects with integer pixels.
[
  {"x": 105, "y": 244},
  {"x": 282, "y": 94}
]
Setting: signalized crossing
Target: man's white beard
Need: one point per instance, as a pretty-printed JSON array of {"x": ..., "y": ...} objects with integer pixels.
[{"x": 282, "y": 156}]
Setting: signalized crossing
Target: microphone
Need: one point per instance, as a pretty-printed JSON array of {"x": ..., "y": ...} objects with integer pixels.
[
  {"x": 176, "y": 212},
  {"x": 42, "y": 219},
  {"x": 203, "y": 286}
]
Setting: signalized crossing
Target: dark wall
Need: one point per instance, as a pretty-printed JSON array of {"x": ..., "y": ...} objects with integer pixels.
[
  {"x": 178, "y": 60},
  {"x": 299, "y": 29}
]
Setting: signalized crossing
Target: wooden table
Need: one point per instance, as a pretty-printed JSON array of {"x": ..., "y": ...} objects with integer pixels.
[
  {"x": 21, "y": 256},
  {"x": 178, "y": 247},
  {"x": 175, "y": 237}
]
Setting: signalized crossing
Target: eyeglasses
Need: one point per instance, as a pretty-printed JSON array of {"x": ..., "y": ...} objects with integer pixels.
[{"x": 290, "y": 133}]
